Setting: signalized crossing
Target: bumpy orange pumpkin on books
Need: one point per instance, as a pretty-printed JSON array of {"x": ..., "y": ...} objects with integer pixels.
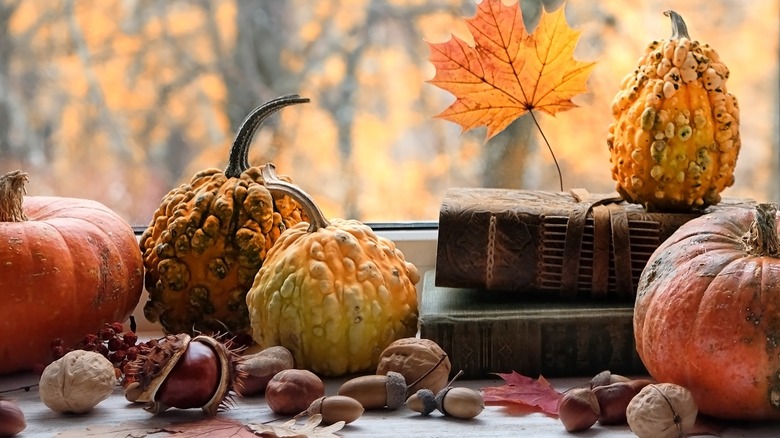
[{"x": 675, "y": 138}]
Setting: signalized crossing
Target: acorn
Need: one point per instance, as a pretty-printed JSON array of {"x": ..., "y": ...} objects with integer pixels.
[
  {"x": 334, "y": 408},
  {"x": 183, "y": 372},
  {"x": 463, "y": 403},
  {"x": 376, "y": 391}
]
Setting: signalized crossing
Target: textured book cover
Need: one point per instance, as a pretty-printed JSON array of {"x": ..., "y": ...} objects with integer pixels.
[
  {"x": 568, "y": 245},
  {"x": 492, "y": 332}
]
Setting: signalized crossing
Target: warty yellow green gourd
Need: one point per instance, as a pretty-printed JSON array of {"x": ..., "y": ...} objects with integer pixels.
[
  {"x": 332, "y": 292},
  {"x": 675, "y": 139}
]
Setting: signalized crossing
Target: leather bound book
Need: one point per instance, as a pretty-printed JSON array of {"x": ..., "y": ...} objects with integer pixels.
[
  {"x": 570, "y": 245},
  {"x": 484, "y": 333}
]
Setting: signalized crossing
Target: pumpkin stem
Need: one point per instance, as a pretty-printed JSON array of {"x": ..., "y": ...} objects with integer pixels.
[
  {"x": 762, "y": 238},
  {"x": 274, "y": 183},
  {"x": 679, "y": 29},
  {"x": 12, "y": 193},
  {"x": 239, "y": 151}
]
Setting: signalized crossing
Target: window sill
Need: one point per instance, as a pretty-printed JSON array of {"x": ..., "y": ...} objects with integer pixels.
[{"x": 416, "y": 240}]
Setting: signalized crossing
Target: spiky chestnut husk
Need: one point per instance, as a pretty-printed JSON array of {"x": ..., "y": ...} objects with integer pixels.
[{"x": 183, "y": 372}]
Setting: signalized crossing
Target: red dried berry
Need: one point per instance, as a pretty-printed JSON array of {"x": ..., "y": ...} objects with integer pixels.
[
  {"x": 130, "y": 338},
  {"x": 57, "y": 352},
  {"x": 106, "y": 333},
  {"x": 132, "y": 353},
  {"x": 115, "y": 344}
]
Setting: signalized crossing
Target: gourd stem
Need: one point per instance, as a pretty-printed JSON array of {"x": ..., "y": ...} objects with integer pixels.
[
  {"x": 239, "y": 151},
  {"x": 12, "y": 193},
  {"x": 273, "y": 183},
  {"x": 679, "y": 29},
  {"x": 762, "y": 239}
]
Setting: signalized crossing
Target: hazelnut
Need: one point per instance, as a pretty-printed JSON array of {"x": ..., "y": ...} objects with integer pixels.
[
  {"x": 614, "y": 398},
  {"x": 662, "y": 410},
  {"x": 258, "y": 368},
  {"x": 421, "y": 361},
  {"x": 77, "y": 382},
  {"x": 578, "y": 409},
  {"x": 291, "y": 391},
  {"x": 606, "y": 377},
  {"x": 11, "y": 418}
]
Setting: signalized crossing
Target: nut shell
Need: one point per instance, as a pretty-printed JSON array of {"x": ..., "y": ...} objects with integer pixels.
[
  {"x": 662, "y": 410},
  {"x": 419, "y": 360},
  {"x": 77, "y": 382}
]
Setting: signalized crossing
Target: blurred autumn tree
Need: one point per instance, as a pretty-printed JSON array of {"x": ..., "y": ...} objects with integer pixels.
[{"x": 121, "y": 100}]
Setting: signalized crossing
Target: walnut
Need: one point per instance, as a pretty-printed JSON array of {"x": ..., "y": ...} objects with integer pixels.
[
  {"x": 421, "y": 361},
  {"x": 77, "y": 382},
  {"x": 662, "y": 410}
]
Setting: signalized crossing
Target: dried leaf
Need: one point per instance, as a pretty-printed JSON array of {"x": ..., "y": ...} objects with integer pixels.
[
  {"x": 211, "y": 428},
  {"x": 508, "y": 71},
  {"x": 523, "y": 390},
  {"x": 124, "y": 430},
  {"x": 310, "y": 429},
  {"x": 206, "y": 427}
]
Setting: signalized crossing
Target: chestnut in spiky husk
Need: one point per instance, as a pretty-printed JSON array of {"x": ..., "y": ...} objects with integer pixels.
[{"x": 185, "y": 372}]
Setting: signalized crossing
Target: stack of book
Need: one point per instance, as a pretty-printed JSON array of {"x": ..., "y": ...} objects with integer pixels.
[
  {"x": 500, "y": 332},
  {"x": 541, "y": 282}
]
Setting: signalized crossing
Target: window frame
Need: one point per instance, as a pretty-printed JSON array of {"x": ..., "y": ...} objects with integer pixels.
[{"x": 416, "y": 240}]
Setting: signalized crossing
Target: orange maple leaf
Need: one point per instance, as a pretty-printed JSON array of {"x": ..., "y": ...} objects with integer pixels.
[{"x": 508, "y": 71}]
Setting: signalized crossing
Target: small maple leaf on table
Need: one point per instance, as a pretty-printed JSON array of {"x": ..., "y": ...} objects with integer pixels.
[
  {"x": 509, "y": 72},
  {"x": 523, "y": 390}
]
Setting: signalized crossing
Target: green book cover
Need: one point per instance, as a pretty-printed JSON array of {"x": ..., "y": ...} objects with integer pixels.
[{"x": 484, "y": 332}]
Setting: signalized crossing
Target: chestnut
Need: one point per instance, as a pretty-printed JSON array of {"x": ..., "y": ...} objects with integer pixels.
[{"x": 291, "y": 391}]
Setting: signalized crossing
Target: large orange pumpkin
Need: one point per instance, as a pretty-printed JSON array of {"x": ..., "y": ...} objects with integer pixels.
[
  {"x": 67, "y": 266},
  {"x": 707, "y": 312}
]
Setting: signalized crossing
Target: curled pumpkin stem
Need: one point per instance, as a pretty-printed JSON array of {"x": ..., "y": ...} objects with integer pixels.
[
  {"x": 762, "y": 238},
  {"x": 679, "y": 29},
  {"x": 239, "y": 151},
  {"x": 272, "y": 182},
  {"x": 12, "y": 191}
]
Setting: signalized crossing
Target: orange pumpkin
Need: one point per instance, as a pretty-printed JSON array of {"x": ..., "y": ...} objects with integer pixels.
[
  {"x": 67, "y": 266},
  {"x": 707, "y": 313}
]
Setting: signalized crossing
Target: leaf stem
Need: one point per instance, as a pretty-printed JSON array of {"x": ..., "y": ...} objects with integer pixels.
[{"x": 555, "y": 160}]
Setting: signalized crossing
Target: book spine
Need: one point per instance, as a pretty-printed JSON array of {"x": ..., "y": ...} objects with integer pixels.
[{"x": 560, "y": 347}]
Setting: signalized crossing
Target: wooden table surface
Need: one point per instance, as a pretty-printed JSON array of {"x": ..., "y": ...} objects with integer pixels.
[{"x": 115, "y": 417}]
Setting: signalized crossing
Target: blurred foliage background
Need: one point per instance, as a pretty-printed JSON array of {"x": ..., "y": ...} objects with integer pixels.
[{"x": 122, "y": 100}]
